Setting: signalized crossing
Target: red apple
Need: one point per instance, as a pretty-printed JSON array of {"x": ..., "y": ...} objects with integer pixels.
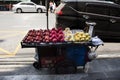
[{"x": 54, "y": 40}]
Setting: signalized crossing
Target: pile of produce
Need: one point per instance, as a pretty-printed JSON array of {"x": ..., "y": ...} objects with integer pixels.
[
  {"x": 53, "y": 35},
  {"x": 76, "y": 35},
  {"x": 56, "y": 35}
]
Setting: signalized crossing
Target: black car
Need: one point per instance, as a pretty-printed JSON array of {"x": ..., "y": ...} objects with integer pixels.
[{"x": 106, "y": 14}]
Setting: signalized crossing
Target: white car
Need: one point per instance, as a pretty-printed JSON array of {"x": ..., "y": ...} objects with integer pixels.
[{"x": 28, "y": 7}]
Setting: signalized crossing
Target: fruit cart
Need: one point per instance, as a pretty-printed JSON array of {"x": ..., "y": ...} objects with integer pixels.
[{"x": 62, "y": 55}]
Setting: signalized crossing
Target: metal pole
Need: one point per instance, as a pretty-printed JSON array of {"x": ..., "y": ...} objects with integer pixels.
[
  {"x": 47, "y": 5},
  {"x": 91, "y": 27}
]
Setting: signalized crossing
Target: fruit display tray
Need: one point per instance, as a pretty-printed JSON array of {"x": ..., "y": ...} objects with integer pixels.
[{"x": 50, "y": 44}]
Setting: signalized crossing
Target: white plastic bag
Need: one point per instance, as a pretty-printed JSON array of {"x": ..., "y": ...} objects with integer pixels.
[{"x": 96, "y": 41}]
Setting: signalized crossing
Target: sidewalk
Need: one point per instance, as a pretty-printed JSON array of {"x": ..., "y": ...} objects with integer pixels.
[
  {"x": 105, "y": 67},
  {"x": 99, "y": 69}
]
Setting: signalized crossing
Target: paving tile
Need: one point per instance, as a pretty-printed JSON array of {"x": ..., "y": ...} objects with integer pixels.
[{"x": 113, "y": 74}]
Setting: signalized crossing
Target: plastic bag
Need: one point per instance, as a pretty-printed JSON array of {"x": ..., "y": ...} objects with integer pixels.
[{"x": 96, "y": 41}]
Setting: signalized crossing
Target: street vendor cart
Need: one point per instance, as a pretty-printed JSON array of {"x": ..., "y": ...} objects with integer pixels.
[{"x": 62, "y": 55}]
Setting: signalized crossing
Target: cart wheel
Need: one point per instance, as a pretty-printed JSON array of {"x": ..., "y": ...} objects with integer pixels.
[
  {"x": 65, "y": 67},
  {"x": 36, "y": 65}
]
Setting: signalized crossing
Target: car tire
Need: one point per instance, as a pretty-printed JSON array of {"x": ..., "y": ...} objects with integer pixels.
[
  {"x": 39, "y": 10},
  {"x": 19, "y": 10}
]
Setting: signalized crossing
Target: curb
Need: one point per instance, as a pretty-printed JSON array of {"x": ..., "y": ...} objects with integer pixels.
[{"x": 108, "y": 56}]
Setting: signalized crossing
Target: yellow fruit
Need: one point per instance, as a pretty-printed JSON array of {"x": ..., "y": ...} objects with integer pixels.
[
  {"x": 68, "y": 37},
  {"x": 82, "y": 39},
  {"x": 87, "y": 39},
  {"x": 67, "y": 29},
  {"x": 71, "y": 39},
  {"x": 81, "y": 33},
  {"x": 87, "y": 34},
  {"x": 83, "y": 36},
  {"x": 69, "y": 32},
  {"x": 77, "y": 39},
  {"x": 76, "y": 34}
]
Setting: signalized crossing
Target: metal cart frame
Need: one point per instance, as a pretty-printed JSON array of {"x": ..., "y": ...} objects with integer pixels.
[{"x": 64, "y": 57}]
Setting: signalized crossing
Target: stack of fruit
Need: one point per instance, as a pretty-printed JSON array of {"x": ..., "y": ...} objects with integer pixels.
[
  {"x": 53, "y": 35},
  {"x": 68, "y": 34},
  {"x": 56, "y": 35},
  {"x": 34, "y": 36},
  {"x": 81, "y": 36},
  {"x": 76, "y": 35}
]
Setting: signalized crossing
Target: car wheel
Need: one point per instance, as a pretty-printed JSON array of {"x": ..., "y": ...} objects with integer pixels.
[
  {"x": 19, "y": 10},
  {"x": 39, "y": 10}
]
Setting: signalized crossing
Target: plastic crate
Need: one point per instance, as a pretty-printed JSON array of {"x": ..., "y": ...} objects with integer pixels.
[{"x": 77, "y": 54}]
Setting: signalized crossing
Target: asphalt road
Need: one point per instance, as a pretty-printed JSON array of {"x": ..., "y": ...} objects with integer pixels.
[
  {"x": 16, "y": 62},
  {"x": 25, "y": 20}
]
